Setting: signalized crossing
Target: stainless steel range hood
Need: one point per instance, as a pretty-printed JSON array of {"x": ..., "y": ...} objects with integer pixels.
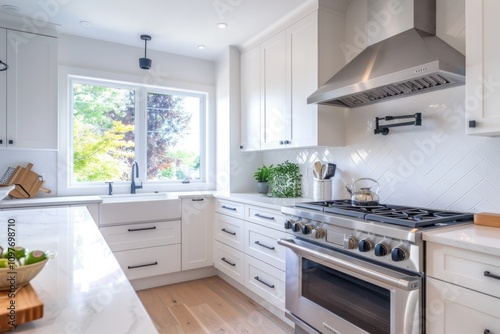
[{"x": 414, "y": 61}]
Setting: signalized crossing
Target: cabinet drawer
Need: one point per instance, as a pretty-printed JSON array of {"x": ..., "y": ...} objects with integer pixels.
[
  {"x": 230, "y": 208},
  {"x": 117, "y": 213},
  {"x": 261, "y": 243},
  {"x": 230, "y": 261},
  {"x": 266, "y": 217},
  {"x": 266, "y": 281},
  {"x": 133, "y": 236},
  {"x": 139, "y": 263},
  {"x": 229, "y": 230},
  {"x": 464, "y": 267},
  {"x": 453, "y": 309}
]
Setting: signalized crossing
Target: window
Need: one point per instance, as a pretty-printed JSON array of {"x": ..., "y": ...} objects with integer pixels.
[{"x": 115, "y": 124}]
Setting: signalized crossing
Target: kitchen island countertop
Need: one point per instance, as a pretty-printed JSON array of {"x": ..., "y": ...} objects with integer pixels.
[{"x": 83, "y": 288}]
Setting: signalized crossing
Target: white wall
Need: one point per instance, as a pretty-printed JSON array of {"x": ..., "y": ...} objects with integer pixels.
[{"x": 96, "y": 55}]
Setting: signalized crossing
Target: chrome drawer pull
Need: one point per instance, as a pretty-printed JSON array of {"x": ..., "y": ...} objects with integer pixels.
[
  {"x": 143, "y": 265},
  {"x": 265, "y": 246},
  {"x": 488, "y": 274},
  {"x": 262, "y": 216},
  {"x": 228, "y": 262},
  {"x": 265, "y": 283},
  {"x": 228, "y": 232},
  {"x": 197, "y": 199},
  {"x": 141, "y": 229},
  {"x": 228, "y": 208}
]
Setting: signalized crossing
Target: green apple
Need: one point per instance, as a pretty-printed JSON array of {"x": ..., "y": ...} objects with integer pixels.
[
  {"x": 4, "y": 263},
  {"x": 34, "y": 257},
  {"x": 18, "y": 251}
]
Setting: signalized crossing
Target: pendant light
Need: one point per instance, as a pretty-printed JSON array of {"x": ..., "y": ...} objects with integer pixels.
[{"x": 145, "y": 63}]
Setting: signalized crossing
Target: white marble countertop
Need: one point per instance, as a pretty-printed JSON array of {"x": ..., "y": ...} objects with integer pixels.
[
  {"x": 478, "y": 238},
  {"x": 83, "y": 288},
  {"x": 261, "y": 200},
  {"x": 46, "y": 201}
]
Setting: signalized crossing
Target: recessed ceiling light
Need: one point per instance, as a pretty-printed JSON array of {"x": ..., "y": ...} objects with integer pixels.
[
  {"x": 86, "y": 24},
  {"x": 201, "y": 47},
  {"x": 222, "y": 25},
  {"x": 11, "y": 9}
]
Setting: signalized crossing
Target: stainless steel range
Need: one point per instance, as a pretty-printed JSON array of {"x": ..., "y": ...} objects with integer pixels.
[{"x": 353, "y": 269}]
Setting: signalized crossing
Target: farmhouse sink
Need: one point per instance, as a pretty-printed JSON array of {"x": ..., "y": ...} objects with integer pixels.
[{"x": 143, "y": 207}]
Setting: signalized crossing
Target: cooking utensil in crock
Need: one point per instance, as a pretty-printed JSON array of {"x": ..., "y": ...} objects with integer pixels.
[{"x": 362, "y": 193}]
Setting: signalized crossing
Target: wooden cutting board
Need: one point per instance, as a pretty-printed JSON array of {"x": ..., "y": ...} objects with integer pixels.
[
  {"x": 27, "y": 182},
  {"x": 28, "y": 307},
  {"x": 487, "y": 219}
]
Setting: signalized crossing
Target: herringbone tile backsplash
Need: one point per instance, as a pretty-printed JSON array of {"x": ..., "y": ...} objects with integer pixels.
[{"x": 435, "y": 165}]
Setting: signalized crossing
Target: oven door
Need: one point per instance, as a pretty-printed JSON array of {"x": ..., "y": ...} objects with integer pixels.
[{"x": 331, "y": 292}]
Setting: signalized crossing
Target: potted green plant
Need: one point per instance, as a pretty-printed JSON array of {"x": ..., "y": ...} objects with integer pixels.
[{"x": 262, "y": 176}]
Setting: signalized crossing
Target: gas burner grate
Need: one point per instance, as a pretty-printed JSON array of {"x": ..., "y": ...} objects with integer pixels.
[{"x": 390, "y": 214}]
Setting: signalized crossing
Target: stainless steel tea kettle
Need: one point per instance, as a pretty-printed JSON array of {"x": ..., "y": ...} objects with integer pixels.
[{"x": 362, "y": 194}]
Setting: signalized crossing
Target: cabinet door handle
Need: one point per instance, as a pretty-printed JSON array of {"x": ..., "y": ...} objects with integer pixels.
[
  {"x": 228, "y": 208},
  {"x": 143, "y": 265},
  {"x": 228, "y": 232},
  {"x": 264, "y": 217},
  {"x": 197, "y": 199},
  {"x": 11, "y": 141},
  {"x": 265, "y": 283},
  {"x": 141, "y": 229},
  {"x": 488, "y": 274},
  {"x": 265, "y": 246},
  {"x": 228, "y": 262}
]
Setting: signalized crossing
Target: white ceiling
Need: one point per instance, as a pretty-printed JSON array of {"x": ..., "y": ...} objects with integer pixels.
[{"x": 176, "y": 26}]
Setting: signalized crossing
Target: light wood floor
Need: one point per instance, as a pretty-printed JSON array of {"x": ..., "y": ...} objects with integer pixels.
[{"x": 208, "y": 305}]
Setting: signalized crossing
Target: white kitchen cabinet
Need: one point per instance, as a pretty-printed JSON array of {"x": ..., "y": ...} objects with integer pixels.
[
  {"x": 144, "y": 235},
  {"x": 294, "y": 63},
  {"x": 250, "y": 100},
  {"x": 229, "y": 261},
  {"x": 29, "y": 110},
  {"x": 274, "y": 113},
  {"x": 482, "y": 67},
  {"x": 461, "y": 294},
  {"x": 197, "y": 233}
]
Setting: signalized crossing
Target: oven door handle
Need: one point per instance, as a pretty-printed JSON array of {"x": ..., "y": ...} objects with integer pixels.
[{"x": 400, "y": 283}]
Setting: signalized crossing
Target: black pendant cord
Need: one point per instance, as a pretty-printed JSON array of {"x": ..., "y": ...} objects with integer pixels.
[
  {"x": 5, "y": 66},
  {"x": 384, "y": 129}
]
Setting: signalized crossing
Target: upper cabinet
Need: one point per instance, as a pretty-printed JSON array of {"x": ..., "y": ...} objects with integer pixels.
[
  {"x": 482, "y": 67},
  {"x": 28, "y": 107},
  {"x": 293, "y": 64}
]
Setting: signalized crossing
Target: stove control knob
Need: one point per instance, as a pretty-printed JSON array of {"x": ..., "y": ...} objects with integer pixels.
[
  {"x": 297, "y": 227},
  {"x": 364, "y": 245},
  {"x": 288, "y": 224},
  {"x": 350, "y": 242},
  {"x": 381, "y": 249},
  {"x": 398, "y": 254},
  {"x": 306, "y": 229},
  {"x": 317, "y": 233}
]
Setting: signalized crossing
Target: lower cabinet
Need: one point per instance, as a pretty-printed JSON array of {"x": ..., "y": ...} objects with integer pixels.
[
  {"x": 150, "y": 261},
  {"x": 246, "y": 249},
  {"x": 266, "y": 281},
  {"x": 453, "y": 309},
  {"x": 146, "y": 249},
  {"x": 230, "y": 261},
  {"x": 463, "y": 291},
  {"x": 197, "y": 237}
]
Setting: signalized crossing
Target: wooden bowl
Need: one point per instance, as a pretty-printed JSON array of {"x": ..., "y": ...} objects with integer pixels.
[{"x": 22, "y": 275}]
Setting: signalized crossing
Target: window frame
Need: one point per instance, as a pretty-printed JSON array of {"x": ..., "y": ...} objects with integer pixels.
[{"x": 68, "y": 76}]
